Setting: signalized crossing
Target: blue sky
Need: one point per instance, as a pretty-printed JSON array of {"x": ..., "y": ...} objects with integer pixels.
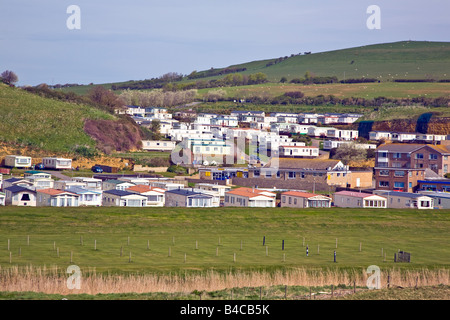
[{"x": 143, "y": 39}]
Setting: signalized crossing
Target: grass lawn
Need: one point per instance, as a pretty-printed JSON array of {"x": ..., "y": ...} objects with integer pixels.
[{"x": 197, "y": 232}]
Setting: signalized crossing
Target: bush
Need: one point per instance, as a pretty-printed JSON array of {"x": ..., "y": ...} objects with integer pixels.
[
  {"x": 85, "y": 152},
  {"x": 177, "y": 169}
]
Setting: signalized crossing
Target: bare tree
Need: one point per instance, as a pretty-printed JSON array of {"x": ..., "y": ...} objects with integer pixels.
[
  {"x": 106, "y": 99},
  {"x": 9, "y": 77}
]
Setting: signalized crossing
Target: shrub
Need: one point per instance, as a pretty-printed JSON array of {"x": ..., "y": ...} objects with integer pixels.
[{"x": 177, "y": 169}]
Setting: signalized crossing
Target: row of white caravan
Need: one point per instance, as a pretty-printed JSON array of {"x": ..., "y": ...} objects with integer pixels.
[{"x": 19, "y": 161}]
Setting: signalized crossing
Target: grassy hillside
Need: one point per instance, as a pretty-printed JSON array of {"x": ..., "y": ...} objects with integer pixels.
[
  {"x": 33, "y": 121},
  {"x": 399, "y": 60},
  {"x": 364, "y": 90},
  {"x": 388, "y": 61},
  {"x": 37, "y": 123}
]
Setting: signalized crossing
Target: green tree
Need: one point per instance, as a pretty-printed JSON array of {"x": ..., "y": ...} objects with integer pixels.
[{"x": 156, "y": 128}]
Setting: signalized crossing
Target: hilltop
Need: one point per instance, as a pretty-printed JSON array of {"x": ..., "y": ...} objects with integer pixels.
[
  {"x": 385, "y": 62},
  {"x": 388, "y": 61}
]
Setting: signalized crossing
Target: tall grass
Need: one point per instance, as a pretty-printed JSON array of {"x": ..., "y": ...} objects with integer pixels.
[{"x": 53, "y": 280}]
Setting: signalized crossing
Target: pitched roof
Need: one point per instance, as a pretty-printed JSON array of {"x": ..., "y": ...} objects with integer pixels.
[
  {"x": 120, "y": 193},
  {"x": 189, "y": 193},
  {"x": 440, "y": 148},
  {"x": 140, "y": 188},
  {"x": 404, "y": 194},
  {"x": 355, "y": 194},
  {"x": 301, "y": 194},
  {"x": 296, "y": 163},
  {"x": 400, "y": 147},
  {"x": 79, "y": 190},
  {"x": 54, "y": 192},
  {"x": 115, "y": 181},
  {"x": 13, "y": 179},
  {"x": 15, "y": 189},
  {"x": 411, "y": 147},
  {"x": 250, "y": 192}
]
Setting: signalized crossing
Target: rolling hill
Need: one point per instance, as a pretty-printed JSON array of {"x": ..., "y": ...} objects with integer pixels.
[
  {"x": 388, "y": 61},
  {"x": 385, "y": 62}
]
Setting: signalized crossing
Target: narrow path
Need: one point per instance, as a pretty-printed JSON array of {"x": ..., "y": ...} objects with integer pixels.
[{"x": 57, "y": 174}]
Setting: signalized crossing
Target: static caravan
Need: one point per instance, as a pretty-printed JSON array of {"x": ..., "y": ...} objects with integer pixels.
[
  {"x": 351, "y": 199},
  {"x": 14, "y": 161},
  {"x": 57, "y": 163}
]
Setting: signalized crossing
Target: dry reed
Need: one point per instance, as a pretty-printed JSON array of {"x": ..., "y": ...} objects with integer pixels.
[{"x": 53, "y": 280}]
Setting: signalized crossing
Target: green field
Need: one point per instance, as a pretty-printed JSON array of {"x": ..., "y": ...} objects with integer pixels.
[
  {"x": 197, "y": 232},
  {"x": 386, "y": 62},
  {"x": 362, "y": 90}
]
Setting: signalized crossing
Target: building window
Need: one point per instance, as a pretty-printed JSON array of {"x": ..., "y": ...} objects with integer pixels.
[
  {"x": 399, "y": 185},
  {"x": 397, "y": 155},
  {"x": 433, "y": 156},
  {"x": 445, "y": 168},
  {"x": 384, "y": 184},
  {"x": 399, "y": 173},
  {"x": 419, "y": 155},
  {"x": 291, "y": 175}
]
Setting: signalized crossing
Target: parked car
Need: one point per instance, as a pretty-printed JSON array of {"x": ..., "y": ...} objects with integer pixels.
[
  {"x": 97, "y": 169},
  {"x": 39, "y": 166}
]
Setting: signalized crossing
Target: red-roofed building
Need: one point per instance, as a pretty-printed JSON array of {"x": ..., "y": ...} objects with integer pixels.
[
  {"x": 155, "y": 195},
  {"x": 298, "y": 199},
  {"x": 56, "y": 198}
]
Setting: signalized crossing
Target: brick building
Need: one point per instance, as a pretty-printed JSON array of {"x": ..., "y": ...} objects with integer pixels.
[
  {"x": 294, "y": 173},
  {"x": 399, "y": 167}
]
